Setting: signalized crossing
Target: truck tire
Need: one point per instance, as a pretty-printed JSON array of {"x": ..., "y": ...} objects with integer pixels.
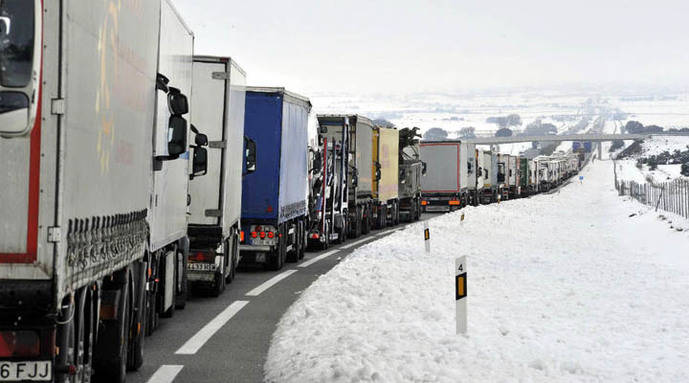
[
  {"x": 65, "y": 338},
  {"x": 219, "y": 284},
  {"x": 276, "y": 258},
  {"x": 293, "y": 255},
  {"x": 234, "y": 257},
  {"x": 303, "y": 239},
  {"x": 151, "y": 307},
  {"x": 169, "y": 313},
  {"x": 366, "y": 222},
  {"x": 80, "y": 337},
  {"x": 397, "y": 213},
  {"x": 138, "y": 322},
  {"x": 182, "y": 280},
  {"x": 110, "y": 363},
  {"x": 90, "y": 326}
]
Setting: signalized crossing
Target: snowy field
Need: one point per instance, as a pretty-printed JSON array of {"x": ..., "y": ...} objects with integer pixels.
[
  {"x": 580, "y": 285},
  {"x": 627, "y": 170},
  {"x": 455, "y": 111}
]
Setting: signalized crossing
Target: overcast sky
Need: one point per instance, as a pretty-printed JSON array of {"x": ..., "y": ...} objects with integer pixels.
[{"x": 409, "y": 46}]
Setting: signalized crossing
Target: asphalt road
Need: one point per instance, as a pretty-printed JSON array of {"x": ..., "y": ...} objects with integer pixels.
[{"x": 226, "y": 339}]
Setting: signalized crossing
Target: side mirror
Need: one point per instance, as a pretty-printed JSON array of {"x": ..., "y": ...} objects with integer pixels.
[
  {"x": 378, "y": 173},
  {"x": 200, "y": 162},
  {"x": 177, "y": 136},
  {"x": 14, "y": 112},
  {"x": 317, "y": 161},
  {"x": 161, "y": 83},
  {"x": 201, "y": 139},
  {"x": 250, "y": 155},
  {"x": 423, "y": 169},
  {"x": 355, "y": 178},
  {"x": 177, "y": 102}
]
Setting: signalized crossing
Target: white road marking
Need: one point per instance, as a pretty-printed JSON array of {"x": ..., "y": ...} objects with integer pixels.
[
  {"x": 318, "y": 258},
  {"x": 388, "y": 232},
  {"x": 347, "y": 246},
  {"x": 269, "y": 283},
  {"x": 201, "y": 337},
  {"x": 165, "y": 373}
]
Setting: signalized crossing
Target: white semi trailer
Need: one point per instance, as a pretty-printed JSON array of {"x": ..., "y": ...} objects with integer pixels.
[
  {"x": 93, "y": 141},
  {"x": 216, "y": 199}
]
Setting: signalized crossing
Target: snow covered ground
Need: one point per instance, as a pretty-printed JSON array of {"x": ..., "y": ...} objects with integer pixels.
[
  {"x": 579, "y": 285},
  {"x": 627, "y": 171}
]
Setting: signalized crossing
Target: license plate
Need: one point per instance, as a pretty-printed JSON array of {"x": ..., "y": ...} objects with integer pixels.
[
  {"x": 201, "y": 266},
  {"x": 21, "y": 371}
]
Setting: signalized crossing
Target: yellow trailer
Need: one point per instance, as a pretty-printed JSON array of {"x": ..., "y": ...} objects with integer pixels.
[{"x": 385, "y": 176}]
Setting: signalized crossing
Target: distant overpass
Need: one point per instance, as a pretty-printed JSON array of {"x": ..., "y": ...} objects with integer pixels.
[{"x": 567, "y": 137}]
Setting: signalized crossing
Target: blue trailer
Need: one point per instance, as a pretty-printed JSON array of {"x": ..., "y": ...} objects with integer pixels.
[{"x": 274, "y": 196}]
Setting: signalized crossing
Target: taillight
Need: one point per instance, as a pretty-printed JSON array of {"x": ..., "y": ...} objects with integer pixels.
[
  {"x": 254, "y": 234},
  {"x": 424, "y": 203},
  {"x": 453, "y": 202},
  {"x": 241, "y": 236},
  {"x": 19, "y": 344},
  {"x": 271, "y": 234},
  {"x": 262, "y": 234},
  {"x": 202, "y": 256},
  {"x": 315, "y": 236}
]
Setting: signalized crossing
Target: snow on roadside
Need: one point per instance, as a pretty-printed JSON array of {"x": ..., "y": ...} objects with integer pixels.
[
  {"x": 578, "y": 285},
  {"x": 658, "y": 144}
]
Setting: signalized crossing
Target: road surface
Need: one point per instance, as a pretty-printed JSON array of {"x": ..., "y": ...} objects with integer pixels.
[{"x": 226, "y": 339}]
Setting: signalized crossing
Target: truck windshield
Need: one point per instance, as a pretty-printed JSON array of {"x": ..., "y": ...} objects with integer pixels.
[{"x": 16, "y": 42}]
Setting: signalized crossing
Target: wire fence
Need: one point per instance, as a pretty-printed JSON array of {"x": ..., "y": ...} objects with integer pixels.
[{"x": 670, "y": 196}]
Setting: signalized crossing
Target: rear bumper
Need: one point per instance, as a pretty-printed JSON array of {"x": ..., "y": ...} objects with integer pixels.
[{"x": 255, "y": 248}]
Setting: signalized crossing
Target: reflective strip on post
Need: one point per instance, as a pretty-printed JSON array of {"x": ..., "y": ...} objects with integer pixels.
[
  {"x": 461, "y": 294},
  {"x": 427, "y": 237}
]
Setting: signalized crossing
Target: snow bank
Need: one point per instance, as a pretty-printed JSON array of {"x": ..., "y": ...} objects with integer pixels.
[{"x": 568, "y": 286}]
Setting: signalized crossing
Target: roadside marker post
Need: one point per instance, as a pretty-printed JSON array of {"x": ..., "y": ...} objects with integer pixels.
[
  {"x": 461, "y": 219},
  {"x": 427, "y": 237},
  {"x": 461, "y": 293}
]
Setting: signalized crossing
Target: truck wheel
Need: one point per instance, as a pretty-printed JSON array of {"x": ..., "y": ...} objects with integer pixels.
[
  {"x": 80, "y": 337},
  {"x": 151, "y": 307},
  {"x": 366, "y": 223},
  {"x": 90, "y": 326},
  {"x": 65, "y": 337},
  {"x": 111, "y": 359},
  {"x": 234, "y": 256},
  {"x": 182, "y": 281},
  {"x": 169, "y": 313},
  {"x": 219, "y": 283},
  {"x": 136, "y": 349},
  {"x": 293, "y": 255},
  {"x": 276, "y": 258},
  {"x": 303, "y": 239}
]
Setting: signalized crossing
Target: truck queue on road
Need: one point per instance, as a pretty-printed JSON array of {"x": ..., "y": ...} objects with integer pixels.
[{"x": 137, "y": 172}]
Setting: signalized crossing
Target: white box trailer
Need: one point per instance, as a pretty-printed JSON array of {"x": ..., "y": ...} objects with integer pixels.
[
  {"x": 487, "y": 180},
  {"x": 167, "y": 218},
  {"x": 446, "y": 183},
  {"x": 513, "y": 176},
  {"x": 216, "y": 198},
  {"x": 77, "y": 218}
]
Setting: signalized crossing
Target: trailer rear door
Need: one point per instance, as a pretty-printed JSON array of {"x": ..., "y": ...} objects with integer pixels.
[
  {"x": 442, "y": 167},
  {"x": 208, "y": 100}
]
